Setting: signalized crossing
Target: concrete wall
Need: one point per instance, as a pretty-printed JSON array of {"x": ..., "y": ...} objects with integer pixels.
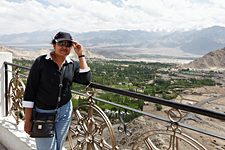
[{"x": 4, "y": 56}]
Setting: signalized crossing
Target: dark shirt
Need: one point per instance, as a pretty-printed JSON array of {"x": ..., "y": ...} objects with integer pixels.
[{"x": 43, "y": 82}]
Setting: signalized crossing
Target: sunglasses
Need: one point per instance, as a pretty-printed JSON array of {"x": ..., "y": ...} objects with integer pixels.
[{"x": 65, "y": 43}]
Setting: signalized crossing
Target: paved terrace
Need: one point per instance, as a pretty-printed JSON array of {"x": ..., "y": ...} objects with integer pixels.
[{"x": 13, "y": 137}]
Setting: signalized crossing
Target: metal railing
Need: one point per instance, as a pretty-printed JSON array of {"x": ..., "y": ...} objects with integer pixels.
[{"x": 90, "y": 121}]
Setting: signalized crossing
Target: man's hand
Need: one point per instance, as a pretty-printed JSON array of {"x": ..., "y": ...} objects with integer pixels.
[
  {"x": 78, "y": 48},
  {"x": 27, "y": 126},
  {"x": 27, "y": 121}
]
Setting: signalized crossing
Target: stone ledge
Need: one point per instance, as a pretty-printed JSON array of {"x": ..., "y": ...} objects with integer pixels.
[{"x": 13, "y": 137}]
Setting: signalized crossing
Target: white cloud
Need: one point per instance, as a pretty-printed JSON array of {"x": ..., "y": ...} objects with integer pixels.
[{"x": 87, "y": 15}]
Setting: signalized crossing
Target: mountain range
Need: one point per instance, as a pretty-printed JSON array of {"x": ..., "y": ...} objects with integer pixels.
[{"x": 130, "y": 43}]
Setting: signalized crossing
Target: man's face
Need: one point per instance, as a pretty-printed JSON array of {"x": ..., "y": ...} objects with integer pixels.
[{"x": 63, "y": 48}]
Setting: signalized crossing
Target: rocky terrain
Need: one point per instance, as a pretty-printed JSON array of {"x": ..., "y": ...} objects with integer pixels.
[
  {"x": 213, "y": 60},
  {"x": 214, "y": 100}
]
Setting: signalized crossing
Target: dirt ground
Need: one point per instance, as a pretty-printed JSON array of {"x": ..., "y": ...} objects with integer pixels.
[{"x": 208, "y": 97}]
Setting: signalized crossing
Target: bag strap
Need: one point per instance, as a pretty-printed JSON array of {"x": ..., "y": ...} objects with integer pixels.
[{"x": 60, "y": 86}]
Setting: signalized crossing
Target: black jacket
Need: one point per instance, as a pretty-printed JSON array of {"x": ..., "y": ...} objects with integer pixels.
[{"x": 43, "y": 82}]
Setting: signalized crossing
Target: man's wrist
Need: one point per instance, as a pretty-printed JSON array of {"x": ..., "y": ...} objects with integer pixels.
[{"x": 80, "y": 56}]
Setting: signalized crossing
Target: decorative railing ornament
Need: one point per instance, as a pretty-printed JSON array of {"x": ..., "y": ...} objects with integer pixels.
[
  {"x": 15, "y": 96},
  {"x": 91, "y": 129},
  {"x": 123, "y": 126},
  {"x": 171, "y": 138}
]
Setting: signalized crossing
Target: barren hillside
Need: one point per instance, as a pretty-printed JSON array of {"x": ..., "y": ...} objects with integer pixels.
[{"x": 213, "y": 60}]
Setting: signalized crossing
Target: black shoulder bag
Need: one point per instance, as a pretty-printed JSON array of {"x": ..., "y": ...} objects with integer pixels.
[{"x": 43, "y": 124}]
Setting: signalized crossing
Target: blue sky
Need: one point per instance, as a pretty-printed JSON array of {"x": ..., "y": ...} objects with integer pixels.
[{"x": 90, "y": 15}]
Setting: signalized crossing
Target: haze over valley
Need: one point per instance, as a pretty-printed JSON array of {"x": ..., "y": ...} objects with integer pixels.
[
  {"x": 134, "y": 45},
  {"x": 122, "y": 43}
]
